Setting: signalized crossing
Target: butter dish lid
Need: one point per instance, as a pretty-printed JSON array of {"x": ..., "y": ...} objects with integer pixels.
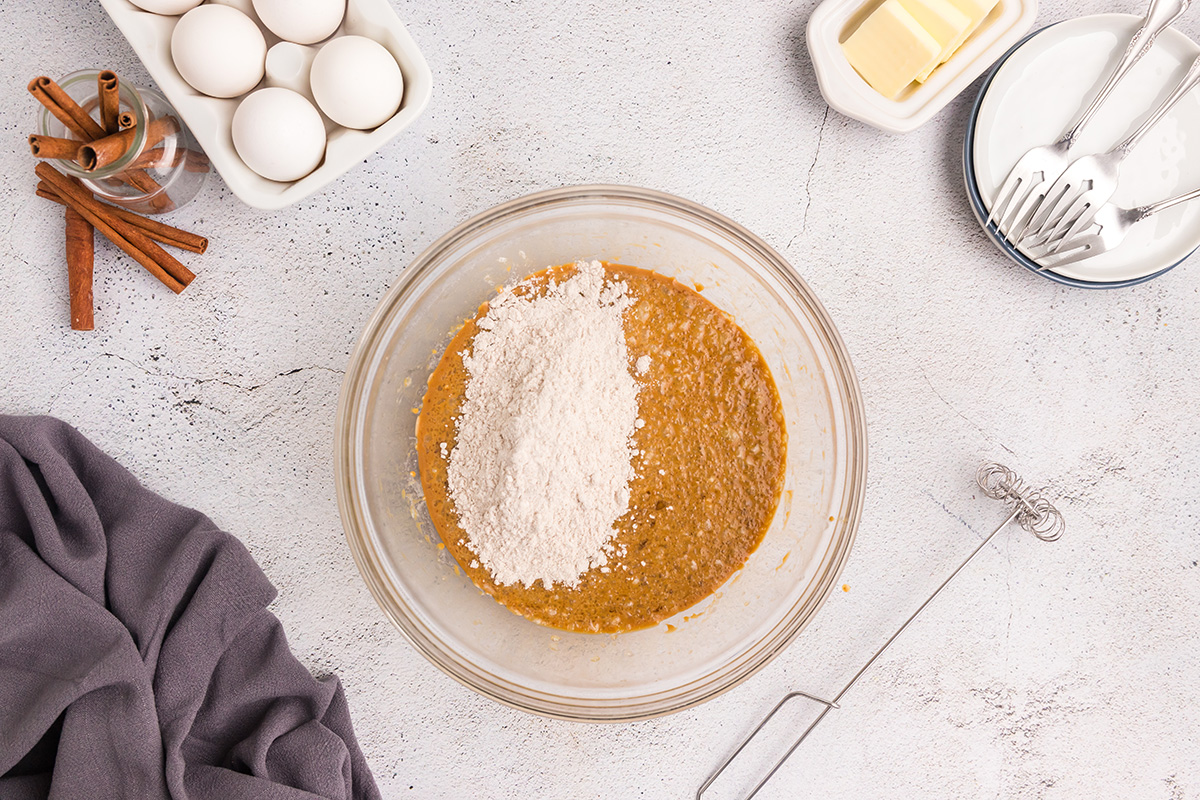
[{"x": 846, "y": 91}]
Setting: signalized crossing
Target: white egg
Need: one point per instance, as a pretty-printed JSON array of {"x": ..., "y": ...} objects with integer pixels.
[
  {"x": 279, "y": 134},
  {"x": 219, "y": 50},
  {"x": 168, "y": 7},
  {"x": 301, "y": 21},
  {"x": 356, "y": 82}
]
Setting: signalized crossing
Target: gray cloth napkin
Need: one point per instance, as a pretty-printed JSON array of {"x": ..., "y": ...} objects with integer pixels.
[{"x": 137, "y": 657}]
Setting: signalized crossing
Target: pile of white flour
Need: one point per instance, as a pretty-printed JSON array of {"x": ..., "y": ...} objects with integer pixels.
[{"x": 543, "y": 461}]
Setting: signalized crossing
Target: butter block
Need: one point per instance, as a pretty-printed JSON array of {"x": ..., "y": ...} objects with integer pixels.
[
  {"x": 976, "y": 10},
  {"x": 944, "y": 21},
  {"x": 890, "y": 49}
]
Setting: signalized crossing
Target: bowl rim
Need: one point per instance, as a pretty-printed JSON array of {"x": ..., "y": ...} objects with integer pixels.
[
  {"x": 739, "y": 666},
  {"x": 979, "y": 208}
]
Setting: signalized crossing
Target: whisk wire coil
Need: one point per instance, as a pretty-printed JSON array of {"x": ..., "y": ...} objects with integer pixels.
[{"x": 1035, "y": 513}]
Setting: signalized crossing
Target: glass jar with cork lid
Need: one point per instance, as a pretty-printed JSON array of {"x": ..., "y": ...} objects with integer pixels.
[{"x": 125, "y": 143}]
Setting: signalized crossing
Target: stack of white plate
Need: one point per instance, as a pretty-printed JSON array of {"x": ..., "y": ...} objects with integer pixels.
[{"x": 1037, "y": 90}]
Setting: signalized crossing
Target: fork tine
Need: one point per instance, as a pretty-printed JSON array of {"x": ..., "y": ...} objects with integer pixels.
[
  {"x": 1080, "y": 217},
  {"x": 1059, "y": 198},
  {"x": 1036, "y": 240},
  {"x": 1036, "y": 252},
  {"x": 1016, "y": 200},
  {"x": 1020, "y": 221},
  {"x": 1057, "y": 201},
  {"x": 1055, "y": 236},
  {"x": 1044, "y": 252},
  {"x": 1047, "y": 260},
  {"x": 1082, "y": 248},
  {"x": 1004, "y": 197},
  {"x": 1077, "y": 217}
]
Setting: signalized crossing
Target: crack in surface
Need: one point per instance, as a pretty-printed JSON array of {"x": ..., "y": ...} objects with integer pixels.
[
  {"x": 269, "y": 415},
  {"x": 967, "y": 419},
  {"x": 811, "y": 169},
  {"x": 953, "y": 515},
  {"x": 221, "y": 381},
  {"x": 68, "y": 385}
]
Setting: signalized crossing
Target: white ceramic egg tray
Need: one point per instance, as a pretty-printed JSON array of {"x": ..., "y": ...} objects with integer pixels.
[
  {"x": 210, "y": 118},
  {"x": 846, "y": 91}
]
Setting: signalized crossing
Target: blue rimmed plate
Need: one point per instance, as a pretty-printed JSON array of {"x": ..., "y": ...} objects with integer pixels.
[{"x": 1035, "y": 91}]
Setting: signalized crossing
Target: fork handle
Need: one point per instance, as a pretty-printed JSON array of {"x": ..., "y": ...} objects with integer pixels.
[
  {"x": 1163, "y": 205},
  {"x": 1159, "y": 17},
  {"x": 1190, "y": 81}
]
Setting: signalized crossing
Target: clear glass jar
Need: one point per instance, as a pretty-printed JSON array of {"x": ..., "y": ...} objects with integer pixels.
[{"x": 163, "y": 167}]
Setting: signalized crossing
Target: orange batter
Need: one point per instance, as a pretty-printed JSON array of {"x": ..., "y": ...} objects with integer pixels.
[{"x": 708, "y": 478}]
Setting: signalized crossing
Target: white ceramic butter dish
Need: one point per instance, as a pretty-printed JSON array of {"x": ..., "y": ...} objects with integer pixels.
[
  {"x": 209, "y": 118},
  {"x": 846, "y": 91}
]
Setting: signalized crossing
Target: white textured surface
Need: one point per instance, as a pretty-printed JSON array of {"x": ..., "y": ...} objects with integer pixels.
[{"x": 1047, "y": 670}]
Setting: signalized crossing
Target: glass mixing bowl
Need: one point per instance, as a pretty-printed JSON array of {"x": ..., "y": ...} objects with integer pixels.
[{"x": 696, "y": 654}]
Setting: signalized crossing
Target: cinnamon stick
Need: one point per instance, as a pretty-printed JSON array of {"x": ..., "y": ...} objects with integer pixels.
[
  {"x": 65, "y": 109},
  {"x": 79, "y": 122},
  {"x": 110, "y": 100},
  {"x": 54, "y": 147},
  {"x": 159, "y": 200},
  {"x": 126, "y": 120},
  {"x": 132, "y": 241},
  {"x": 81, "y": 248},
  {"x": 160, "y": 128},
  {"x": 105, "y": 151},
  {"x": 192, "y": 160},
  {"x": 157, "y": 159},
  {"x": 158, "y": 231}
]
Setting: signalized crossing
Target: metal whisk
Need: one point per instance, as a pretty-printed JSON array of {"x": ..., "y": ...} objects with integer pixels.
[{"x": 1030, "y": 510}]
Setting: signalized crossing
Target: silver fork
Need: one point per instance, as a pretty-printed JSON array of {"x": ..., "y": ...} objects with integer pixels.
[
  {"x": 1108, "y": 229},
  {"x": 1041, "y": 165},
  {"x": 1090, "y": 181}
]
